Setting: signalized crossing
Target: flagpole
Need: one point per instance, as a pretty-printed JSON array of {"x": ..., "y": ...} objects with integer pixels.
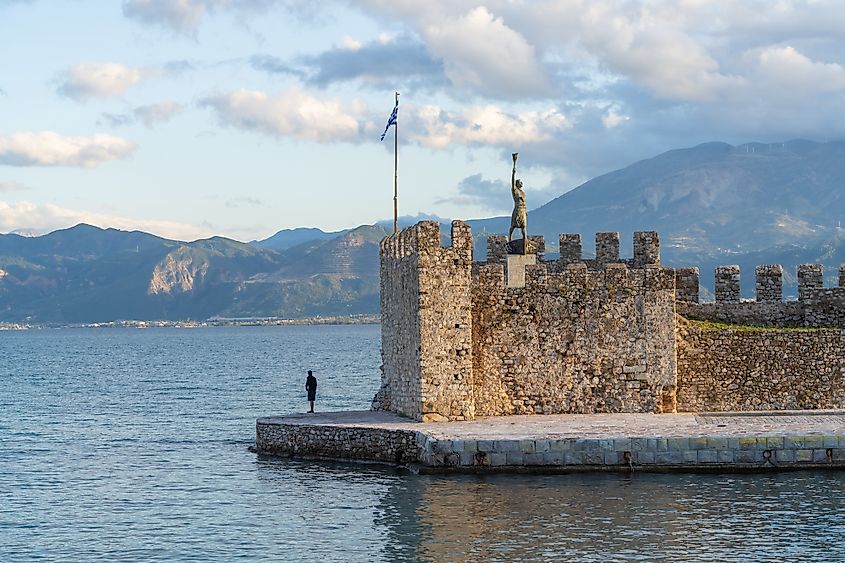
[{"x": 396, "y": 172}]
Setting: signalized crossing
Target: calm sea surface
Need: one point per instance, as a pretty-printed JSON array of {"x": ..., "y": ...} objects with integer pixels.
[{"x": 132, "y": 444}]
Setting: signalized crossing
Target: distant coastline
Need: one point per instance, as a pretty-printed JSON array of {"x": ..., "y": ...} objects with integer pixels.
[{"x": 330, "y": 320}]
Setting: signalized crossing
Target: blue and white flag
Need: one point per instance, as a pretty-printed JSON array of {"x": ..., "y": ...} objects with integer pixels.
[{"x": 392, "y": 119}]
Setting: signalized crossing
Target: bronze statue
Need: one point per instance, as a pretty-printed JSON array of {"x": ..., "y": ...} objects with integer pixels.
[{"x": 519, "y": 218}]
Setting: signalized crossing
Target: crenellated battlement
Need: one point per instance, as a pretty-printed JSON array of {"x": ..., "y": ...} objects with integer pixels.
[
  {"x": 646, "y": 250},
  {"x": 424, "y": 238},
  {"x": 815, "y": 306},
  {"x": 616, "y": 277},
  {"x": 768, "y": 283}
]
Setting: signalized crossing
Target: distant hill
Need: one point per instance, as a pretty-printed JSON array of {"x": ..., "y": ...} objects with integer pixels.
[
  {"x": 712, "y": 204},
  {"x": 288, "y": 238},
  {"x": 88, "y": 274},
  {"x": 323, "y": 277}
]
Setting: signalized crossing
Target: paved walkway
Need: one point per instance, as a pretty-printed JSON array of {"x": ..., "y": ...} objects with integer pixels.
[{"x": 590, "y": 426}]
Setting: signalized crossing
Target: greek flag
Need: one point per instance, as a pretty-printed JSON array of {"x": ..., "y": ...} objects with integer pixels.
[{"x": 391, "y": 120}]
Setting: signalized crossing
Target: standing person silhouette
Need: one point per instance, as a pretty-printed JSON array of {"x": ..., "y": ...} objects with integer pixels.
[{"x": 311, "y": 388}]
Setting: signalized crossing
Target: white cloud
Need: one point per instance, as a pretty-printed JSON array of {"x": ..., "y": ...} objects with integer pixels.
[
  {"x": 301, "y": 115},
  {"x": 788, "y": 69},
  {"x": 48, "y": 148},
  {"x": 350, "y": 43},
  {"x": 611, "y": 119},
  {"x": 481, "y": 53},
  {"x": 295, "y": 113},
  {"x": 434, "y": 127},
  {"x": 39, "y": 219},
  {"x": 101, "y": 80},
  {"x": 514, "y": 49},
  {"x": 157, "y": 113}
]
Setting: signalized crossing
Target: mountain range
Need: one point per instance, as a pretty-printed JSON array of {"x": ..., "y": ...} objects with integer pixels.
[
  {"x": 712, "y": 204},
  {"x": 88, "y": 274}
]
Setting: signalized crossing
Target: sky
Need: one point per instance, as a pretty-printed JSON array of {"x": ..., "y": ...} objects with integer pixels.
[{"x": 193, "y": 118}]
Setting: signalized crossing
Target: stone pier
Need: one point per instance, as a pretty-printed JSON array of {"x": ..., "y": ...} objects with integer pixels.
[{"x": 758, "y": 441}]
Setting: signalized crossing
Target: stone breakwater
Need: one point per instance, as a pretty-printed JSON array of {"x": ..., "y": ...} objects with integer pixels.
[{"x": 765, "y": 441}]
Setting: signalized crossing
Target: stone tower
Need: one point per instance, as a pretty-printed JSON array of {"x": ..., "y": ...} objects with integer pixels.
[{"x": 426, "y": 324}]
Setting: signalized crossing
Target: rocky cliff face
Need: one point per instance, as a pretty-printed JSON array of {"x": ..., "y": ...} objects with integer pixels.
[{"x": 177, "y": 273}]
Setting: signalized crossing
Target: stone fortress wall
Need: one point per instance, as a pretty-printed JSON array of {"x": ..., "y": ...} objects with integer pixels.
[
  {"x": 525, "y": 335},
  {"x": 798, "y": 363},
  {"x": 816, "y": 306},
  {"x": 578, "y": 336}
]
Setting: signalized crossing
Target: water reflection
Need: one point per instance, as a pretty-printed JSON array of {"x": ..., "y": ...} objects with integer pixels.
[{"x": 615, "y": 518}]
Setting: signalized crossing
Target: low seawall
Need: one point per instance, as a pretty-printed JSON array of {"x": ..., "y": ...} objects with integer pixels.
[{"x": 567, "y": 443}]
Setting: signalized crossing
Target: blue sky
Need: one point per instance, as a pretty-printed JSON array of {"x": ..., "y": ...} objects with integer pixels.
[{"x": 189, "y": 118}]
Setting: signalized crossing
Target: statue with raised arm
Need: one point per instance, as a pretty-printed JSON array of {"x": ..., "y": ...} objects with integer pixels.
[{"x": 519, "y": 218}]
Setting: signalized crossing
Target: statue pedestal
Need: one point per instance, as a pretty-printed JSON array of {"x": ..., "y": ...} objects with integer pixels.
[
  {"x": 516, "y": 247},
  {"x": 515, "y": 268}
]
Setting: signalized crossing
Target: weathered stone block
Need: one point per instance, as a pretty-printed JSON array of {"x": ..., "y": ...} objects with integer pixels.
[
  {"x": 715, "y": 443},
  {"x": 813, "y": 442},
  {"x": 527, "y": 446},
  {"x": 570, "y": 249},
  {"x": 607, "y": 248},
  {"x": 748, "y": 456},
  {"x": 673, "y": 457},
  {"x": 515, "y": 269},
  {"x": 727, "y": 284},
  {"x": 774, "y": 443},
  {"x": 485, "y": 445},
  {"x": 810, "y": 277},
  {"x": 698, "y": 443},
  {"x": 726, "y": 456},
  {"x": 687, "y": 284},
  {"x": 793, "y": 442},
  {"x": 506, "y": 446},
  {"x": 612, "y": 458},
  {"x": 678, "y": 443},
  {"x": 708, "y": 456},
  {"x": 467, "y": 458},
  {"x": 533, "y": 459},
  {"x": 785, "y": 456},
  {"x": 803, "y": 456},
  {"x": 553, "y": 458},
  {"x": 769, "y": 282},
  {"x": 622, "y": 445},
  {"x": 643, "y": 457},
  {"x": 516, "y": 458},
  {"x": 572, "y": 457},
  {"x": 498, "y": 459},
  {"x": 646, "y": 248}
]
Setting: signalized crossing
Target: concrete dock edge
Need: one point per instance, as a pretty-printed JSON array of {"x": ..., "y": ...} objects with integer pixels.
[{"x": 466, "y": 448}]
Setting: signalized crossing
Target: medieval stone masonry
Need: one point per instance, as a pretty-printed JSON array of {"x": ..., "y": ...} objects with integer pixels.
[{"x": 519, "y": 334}]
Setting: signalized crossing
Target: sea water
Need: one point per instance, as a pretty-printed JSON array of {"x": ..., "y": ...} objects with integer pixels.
[{"x": 132, "y": 444}]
